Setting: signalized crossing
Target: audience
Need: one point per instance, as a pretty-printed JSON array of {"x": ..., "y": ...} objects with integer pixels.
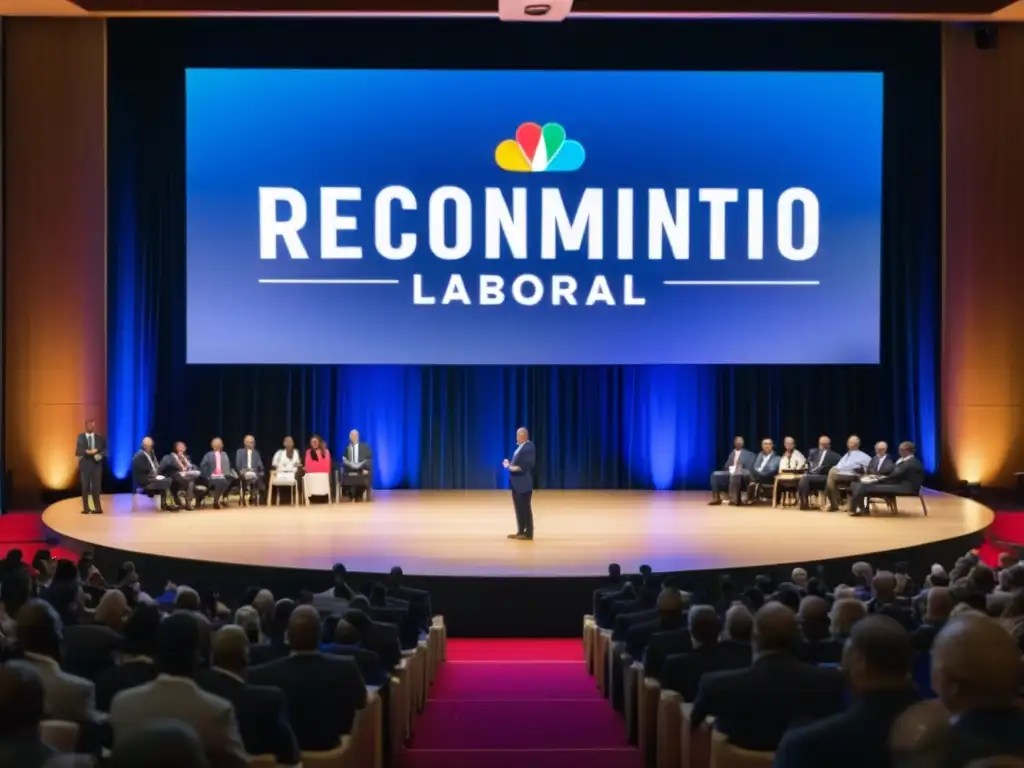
[
  {"x": 138, "y": 657},
  {"x": 21, "y": 711}
]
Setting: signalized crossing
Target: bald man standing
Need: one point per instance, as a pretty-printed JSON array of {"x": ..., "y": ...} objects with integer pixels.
[{"x": 520, "y": 476}]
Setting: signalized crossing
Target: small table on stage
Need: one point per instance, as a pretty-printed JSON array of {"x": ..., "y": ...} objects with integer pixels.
[{"x": 784, "y": 481}]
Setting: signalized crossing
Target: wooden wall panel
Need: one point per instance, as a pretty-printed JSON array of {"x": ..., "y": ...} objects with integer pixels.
[
  {"x": 55, "y": 254},
  {"x": 983, "y": 310}
]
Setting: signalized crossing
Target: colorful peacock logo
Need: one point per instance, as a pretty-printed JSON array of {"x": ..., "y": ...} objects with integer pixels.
[{"x": 540, "y": 148}]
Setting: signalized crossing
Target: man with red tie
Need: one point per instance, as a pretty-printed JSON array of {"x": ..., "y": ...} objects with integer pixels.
[
  {"x": 734, "y": 474},
  {"x": 216, "y": 470}
]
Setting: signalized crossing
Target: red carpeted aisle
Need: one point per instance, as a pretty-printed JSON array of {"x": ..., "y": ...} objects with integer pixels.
[{"x": 505, "y": 703}]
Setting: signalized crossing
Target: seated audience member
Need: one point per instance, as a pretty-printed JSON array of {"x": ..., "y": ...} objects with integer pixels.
[
  {"x": 939, "y": 606},
  {"x": 850, "y": 467},
  {"x": 818, "y": 646},
  {"x": 147, "y": 477},
  {"x": 798, "y": 577},
  {"x": 262, "y": 719},
  {"x": 21, "y": 711},
  {"x": 863, "y": 575},
  {"x": 91, "y": 648},
  {"x": 65, "y": 593},
  {"x": 878, "y": 666},
  {"x": 1012, "y": 619},
  {"x": 683, "y": 671},
  {"x": 753, "y": 707},
  {"x": 906, "y": 479},
  {"x": 1011, "y": 581},
  {"x": 66, "y": 697},
  {"x": 216, "y": 471},
  {"x": 345, "y": 642},
  {"x": 613, "y": 583},
  {"x": 248, "y": 619},
  {"x": 336, "y": 599},
  {"x": 15, "y": 582},
  {"x": 734, "y": 475},
  {"x": 183, "y": 473},
  {"x": 738, "y": 631},
  {"x": 819, "y": 463},
  {"x": 418, "y": 599},
  {"x": 788, "y": 596},
  {"x": 391, "y": 610},
  {"x": 318, "y": 464},
  {"x": 884, "y": 600},
  {"x": 249, "y": 466},
  {"x": 160, "y": 744},
  {"x": 672, "y": 607},
  {"x": 323, "y": 693},
  {"x": 175, "y": 695},
  {"x": 138, "y": 657},
  {"x": 358, "y": 465},
  {"x": 382, "y": 639},
  {"x": 881, "y": 463},
  {"x": 846, "y": 612},
  {"x": 766, "y": 467},
  {"x": 981, "y": 580}
]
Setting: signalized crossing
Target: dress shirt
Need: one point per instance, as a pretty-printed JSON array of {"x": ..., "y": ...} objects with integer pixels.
[
  {"x": 248, "y": 458},
  {"x": 852, "y": 461},
  {"x": 762, "y": 461},
  {"x": 355, "y": 453},
  {"x": 792, "y": 462},
  {"x": 152, "y": 461}
]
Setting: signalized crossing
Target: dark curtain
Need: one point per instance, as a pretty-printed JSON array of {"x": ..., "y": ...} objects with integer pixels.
[{"x": 595, "y": 427}]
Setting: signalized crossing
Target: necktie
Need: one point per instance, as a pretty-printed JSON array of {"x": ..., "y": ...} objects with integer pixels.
[
  {"x": 736, "y": 458},
  {"x": 91, "y": 444}
]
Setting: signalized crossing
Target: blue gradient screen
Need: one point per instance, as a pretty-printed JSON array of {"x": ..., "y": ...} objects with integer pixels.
[{"x": 533, "y": 217}]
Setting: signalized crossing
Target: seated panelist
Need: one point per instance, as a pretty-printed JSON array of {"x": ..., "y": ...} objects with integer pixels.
[
  {"x": 183, "y": 473},
  {"x": 216, "y": 470},
  {"x": 249, "y": 465},
  {"x": 357, "y": 465},
  {"x": 819, "y": 463},
  {"x": 287, "y": 463},
  {"x": 766, "y": 467},
  {"x": 881, "y": 463},
  {"x": 733, "y": 475},
  {"x": 906, "y": 479},
  {"x": 850, "y": 467},
  {"x": 147, "y": 476},
  {"x": 791, "y": 460}
]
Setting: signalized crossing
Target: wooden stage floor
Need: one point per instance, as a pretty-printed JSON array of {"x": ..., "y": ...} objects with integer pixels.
[{"x": 463, "y": 533}]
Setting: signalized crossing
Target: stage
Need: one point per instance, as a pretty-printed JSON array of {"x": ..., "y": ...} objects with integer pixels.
[{"x": 463, "y": 533}]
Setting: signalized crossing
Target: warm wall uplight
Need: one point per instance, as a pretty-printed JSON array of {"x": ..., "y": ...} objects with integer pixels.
[{"x": 53, "y": 459}]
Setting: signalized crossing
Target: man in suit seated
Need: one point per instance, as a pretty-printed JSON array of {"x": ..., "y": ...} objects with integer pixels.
[
  {"x": 381, "y": 638},
  {"x": 183, "y": 473},
  {"x": 766, "y": 467},
  {"x": 734, "y": 474},
  {"x": 753, "y": 707},
  {"x": 818, "y": 646},
  {"x": 262, "y": 720},
  {"x": 672, "y": 607},
  {"x": 138, "y": 654},
  {"x": 323, "y": 692},
  {"x": 336, "y": 599},
  {"x": 249, "y": 465},
  {"x": 216, "y": 470},
  {"x": 906, "y": 479},
  {"x": 391, "y": 610},
  {"x": 90, "y": 648},
  {"x": 174, "y": 695},
  {"x": 939, "y": 607},
  {"x": 683, "y": 671},
  {"x": 343, "y": 640},
  {"x": 881, "y": 463},
  {"x": 357, "y": 466},
  {"x": 819, "y": 463},
  {"x": 147, "y": 477},
  {"x": 877, "y": 663},
  {"x": 66, "y": 697},
  {"x": 418, "y": 599}
]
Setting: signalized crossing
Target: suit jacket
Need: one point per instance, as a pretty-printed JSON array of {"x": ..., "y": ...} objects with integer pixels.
[
  {"x": 827, "y": 650},
  {"x": 89, "y": 648},
  {"x": 525, "y": 457},
  {"x": 879, "y": 465},
  {"x": 170, "y": 467},
  {"x": 683, "y": 671},
  {"x": 142, "y": 471},
  {"x": 639, "y": 635},
  {"x": 771, "y": 466},
  {"x": 262, "y": 716},
  {"x": 365, "y": 455},
  {"x": 753, "y": 707},
  {"x": 977, "y": 735},
  {"x": 384, "y": 640},
  {"x": 814, "y": 456},
  {"x": 112, "y": 680},
  {"x": 65, "y": 697},
  {"x": 856, "y": 738},
  {"x": 209, "y": 464},
  {"x": 82, "y": 445},
  {"x": 662, "y": 646},
  {"x": 907, "y": 475},
  {"x": 407, "y": 624},
  {"x": 323, "y": 695},
  {"x": 328, "y": 602},
  {"x": 746, "y": 460},
  {"x": 923, "y": 637},
  {"x": 369, "y": 663},
  {"x": 180, "y": 698},
  {"x": 257, "y": 461},
  {"x": 625, "y": 621}
]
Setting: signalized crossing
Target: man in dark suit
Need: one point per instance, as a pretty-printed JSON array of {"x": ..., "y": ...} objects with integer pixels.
[
  {"x": 183, "y": 473},
  {"x": 881, "y": 463},
  {"x": 939, "y": 606},
  {"x": 146, "y": 475},
  {"x": 906, "y": 479},
  {"x": 91, "y": 449},
  {"x": 672, "y": 607},
  {"x": 683, "y": 671},
  {"x": 753, "y": 707},
  {"x": 418, "y": 599},
  {"x": 138, "y": 665},
  {"x": 818, "y": 646},
  {"x": 877, "y": 662},
  {"x": 520, "y": 474},
  {"x": 358, "y": 466},
  {"x": 819, "y": 461},
  {"x": 216, "y": 470},
  {"x": 93, "y": 646},
  {"x": 766, "y": 467},
  {"x": 383, "y": 639},
  {"x": 345, "y": 641},
  {"x": 249, "y": 465},
  {"x": 731, "y": 477},
  {"x": 323, "y": 692},
  {"x": 260, "y": 710}
]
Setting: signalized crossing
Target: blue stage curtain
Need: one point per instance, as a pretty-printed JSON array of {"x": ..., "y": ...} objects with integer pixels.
[{"x": 657, "y": 427}]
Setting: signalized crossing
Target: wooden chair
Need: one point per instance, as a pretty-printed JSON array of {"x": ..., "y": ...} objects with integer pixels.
[
  {"x": 368, "y": 733},
  {"x": 725, "y": 755},
  {"x": 669, "y": 749},
  {"x": 647, "y": 719},
  {"x": 589, "y": 642},
  {"x": 604, "y": 641},
  {"x": 62, "y": 735},
  {"x": 339, "y": 757},
  {"x": 631, "y": 695},
  {"x": 694, "y": 745}
]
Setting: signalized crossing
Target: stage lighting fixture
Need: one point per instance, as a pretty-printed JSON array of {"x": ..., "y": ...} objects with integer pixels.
[{"x": 526, "y": 10}]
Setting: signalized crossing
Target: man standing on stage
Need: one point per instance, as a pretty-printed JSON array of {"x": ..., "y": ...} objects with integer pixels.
[
  {"x": 520, "y": 468},
  {"x": 90, "y": 449}
]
